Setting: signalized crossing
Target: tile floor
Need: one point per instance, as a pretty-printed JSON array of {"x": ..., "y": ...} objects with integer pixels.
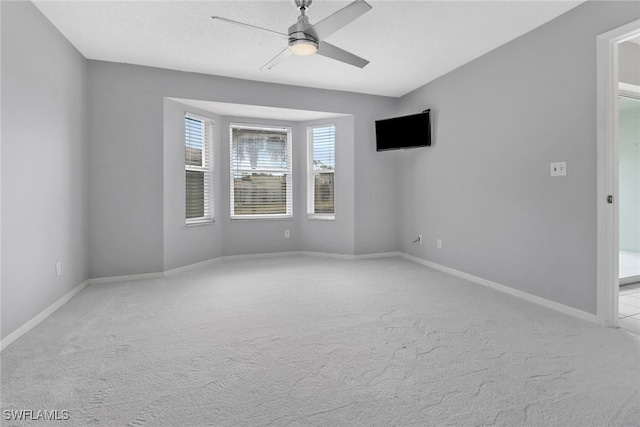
[
  {"x": 629, "y": 265},
  {"x": 629, "y": 307},
  {"x": 629, "y": 303}
]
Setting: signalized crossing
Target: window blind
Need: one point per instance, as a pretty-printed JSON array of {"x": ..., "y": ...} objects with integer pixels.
[
  {"x": 321, "y": 167},
  {"x": 260, "y": 172},
  {"x": 198, "y": 141}
]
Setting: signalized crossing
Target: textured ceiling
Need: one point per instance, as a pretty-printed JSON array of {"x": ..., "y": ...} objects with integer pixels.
[{"x": 409, "y": 43}]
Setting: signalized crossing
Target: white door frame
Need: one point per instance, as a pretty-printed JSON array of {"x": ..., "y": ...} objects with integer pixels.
[{"x": 607, "y": 170}]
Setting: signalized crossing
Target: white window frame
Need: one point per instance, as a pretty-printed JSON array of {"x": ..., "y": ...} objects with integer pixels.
[
  {"x": 207, "y": 168},
  {"x": 288, "y": 171},
  {"x": 311, "y": 173}
]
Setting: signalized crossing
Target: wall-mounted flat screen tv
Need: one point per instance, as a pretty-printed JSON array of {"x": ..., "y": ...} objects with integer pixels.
[{"x": 403, "y": 132}]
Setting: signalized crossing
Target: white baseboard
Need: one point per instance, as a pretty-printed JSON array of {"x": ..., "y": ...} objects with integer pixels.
[
  {"x": 507, "y": 290},
  {"x": 41, "y": 316},
  {"x": 352, "y": 257},
  {"x": 177, "y": 270},
  {"x": 273, "y": 255},
  {"x": 147, "y": 276},
  {"x": 327, "y": 255},
  {"x": 188, "y": 267},
  {"x": 258, "y": 255},
  {"x": 191, "y": 266},
  {"x": 630, "y": 280},
  {"x": 502, "y": 288},
  {"x": 493, "y": 285},
  {"x": 380, "y": 255},
  {"x": 127, "y": 278}
]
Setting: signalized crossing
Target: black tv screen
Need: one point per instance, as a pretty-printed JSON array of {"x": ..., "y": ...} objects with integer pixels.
[{"x": 403, "y": 132}]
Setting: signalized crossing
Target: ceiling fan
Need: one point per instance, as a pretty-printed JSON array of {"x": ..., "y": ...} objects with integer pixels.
[{"x": 307, "y": 39}]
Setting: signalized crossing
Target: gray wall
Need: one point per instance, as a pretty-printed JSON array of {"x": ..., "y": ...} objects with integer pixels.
[
  {"x": 242, "y": 237},
  {"x": 629, "y": 149},
  {"x": 484, "y": 186},
  {"x": 376, "y": 193},
  {"x": 629, "y": 63},
  {"x": 127, "y": 110},
  {"x": 184, "y": 245},
  {"x": 106, "y": 208},
  {"x": 44, "y": 165},
  {"x": 125, "y": 164},
  {"x": 336, "y": 236},
  {"x": 225, "y": 237}
]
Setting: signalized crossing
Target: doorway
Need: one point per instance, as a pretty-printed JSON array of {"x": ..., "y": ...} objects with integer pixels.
[
  {"x": 608, "y": 190},
  {"x": 629, "y": 190}
]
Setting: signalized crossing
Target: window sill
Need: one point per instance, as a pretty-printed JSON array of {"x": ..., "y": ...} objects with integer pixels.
[
  {"x": 322, "y": 217},
  {"x": 199, "y": 222},
  {"x": 260, "y": 217}
]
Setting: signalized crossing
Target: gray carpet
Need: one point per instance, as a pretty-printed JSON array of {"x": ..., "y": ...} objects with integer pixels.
[{"x": 314, "y": 341}]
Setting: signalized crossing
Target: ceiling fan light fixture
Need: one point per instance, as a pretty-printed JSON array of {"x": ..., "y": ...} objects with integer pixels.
[{"x": 303, "y": 48}]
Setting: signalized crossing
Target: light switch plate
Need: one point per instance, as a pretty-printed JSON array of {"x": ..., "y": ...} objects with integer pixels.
[{"x": 559, "y": 169}]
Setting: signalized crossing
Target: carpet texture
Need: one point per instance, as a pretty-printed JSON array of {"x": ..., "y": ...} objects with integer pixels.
[{"x": 313, "y": 341}]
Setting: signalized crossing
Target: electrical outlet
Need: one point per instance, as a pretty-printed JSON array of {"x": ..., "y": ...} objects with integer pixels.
[
  {"x": 58, "y": 269},
  {"x": 439, "y": 243},
  {"x": 287, "y": 234}
]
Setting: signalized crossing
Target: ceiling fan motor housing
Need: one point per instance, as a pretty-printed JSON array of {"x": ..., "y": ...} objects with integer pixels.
[{"x": 302, "y": 33}]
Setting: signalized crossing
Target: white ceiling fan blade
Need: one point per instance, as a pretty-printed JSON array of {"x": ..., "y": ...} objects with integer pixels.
[
  {"x": 334, "y": 52},
  {"x": 277, "y": 59},
  {"x": 339, "y": 19},
  {"x": 242, "y": 24}
]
